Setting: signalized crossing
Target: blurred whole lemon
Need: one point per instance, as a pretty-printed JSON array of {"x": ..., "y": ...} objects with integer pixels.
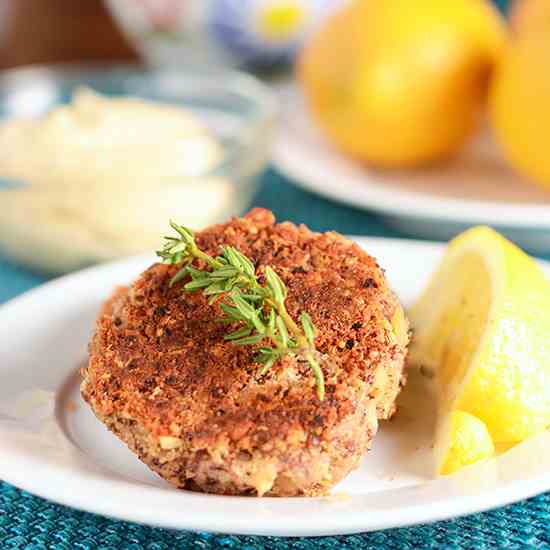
[
  {"x": 530, "y": 15},
  {"x": 520, "y": 106},
  {"x": 401, "y": 83}
]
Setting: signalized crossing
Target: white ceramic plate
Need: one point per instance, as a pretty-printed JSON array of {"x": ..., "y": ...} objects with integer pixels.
[
  {"x": 437, "y": 203},
  {"x": 52, "y": 445}
]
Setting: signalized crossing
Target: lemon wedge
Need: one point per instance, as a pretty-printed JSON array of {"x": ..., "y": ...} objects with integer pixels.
[
  {"x": 482, "y": 327},
  {"x": 466, "y": 440}
]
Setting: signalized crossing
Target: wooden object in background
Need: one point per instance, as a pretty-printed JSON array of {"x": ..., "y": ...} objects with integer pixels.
[{"x": 53, "y": 31}]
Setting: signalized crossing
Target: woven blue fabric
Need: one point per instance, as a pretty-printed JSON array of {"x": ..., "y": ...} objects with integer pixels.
[{"x": 31, "y": 523}]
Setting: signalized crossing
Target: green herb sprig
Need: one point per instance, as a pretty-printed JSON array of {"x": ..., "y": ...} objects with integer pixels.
[{"x": 259, "y": 308}]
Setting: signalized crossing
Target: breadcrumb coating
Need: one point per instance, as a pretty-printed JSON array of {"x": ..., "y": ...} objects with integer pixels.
[{"x": 192, "y": 405}]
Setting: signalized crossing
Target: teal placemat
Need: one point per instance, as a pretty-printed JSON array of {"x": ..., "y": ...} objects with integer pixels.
[{"x": 31, "y": 523}]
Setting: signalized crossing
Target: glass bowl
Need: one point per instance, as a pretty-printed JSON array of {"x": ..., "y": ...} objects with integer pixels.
[{"x": 119, "y": 205}]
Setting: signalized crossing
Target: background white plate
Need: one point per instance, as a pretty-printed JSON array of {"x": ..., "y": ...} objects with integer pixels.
[
  {"x": 51, "y": 445},
  {"x": 475, "y": 188}
]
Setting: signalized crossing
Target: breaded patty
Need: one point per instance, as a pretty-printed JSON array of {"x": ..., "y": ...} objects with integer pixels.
[{"x": 192, "y": 406}]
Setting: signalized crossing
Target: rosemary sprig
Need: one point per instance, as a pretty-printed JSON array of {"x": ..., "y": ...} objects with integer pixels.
[{"x": 260, "y": 309}]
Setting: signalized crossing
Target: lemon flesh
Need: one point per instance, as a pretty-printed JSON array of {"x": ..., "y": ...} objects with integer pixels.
[
  {"x": 483, "y": 327},
  {"x": 468, "y": 441}
]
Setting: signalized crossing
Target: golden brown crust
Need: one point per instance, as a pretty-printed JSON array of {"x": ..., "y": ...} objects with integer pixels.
[{"x": 159, "y": 358}]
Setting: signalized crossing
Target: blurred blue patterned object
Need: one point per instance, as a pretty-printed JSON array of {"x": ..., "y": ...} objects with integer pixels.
[
  {"x": 265, "y": 32},
  {"x": 218, "y": 32}
]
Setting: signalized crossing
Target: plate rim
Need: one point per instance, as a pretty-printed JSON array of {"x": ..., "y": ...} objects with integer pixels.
[
  {"x": 392, "y": 201},
  {"x": 14, "y": 465},
  {"x": 348, "y": 524}
]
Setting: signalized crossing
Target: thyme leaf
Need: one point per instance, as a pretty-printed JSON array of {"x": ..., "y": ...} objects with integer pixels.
[{"x": 230, "y": 278}]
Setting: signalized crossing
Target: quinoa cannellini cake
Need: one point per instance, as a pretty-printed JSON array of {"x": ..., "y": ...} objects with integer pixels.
[{"x": 192, "y": 405}]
